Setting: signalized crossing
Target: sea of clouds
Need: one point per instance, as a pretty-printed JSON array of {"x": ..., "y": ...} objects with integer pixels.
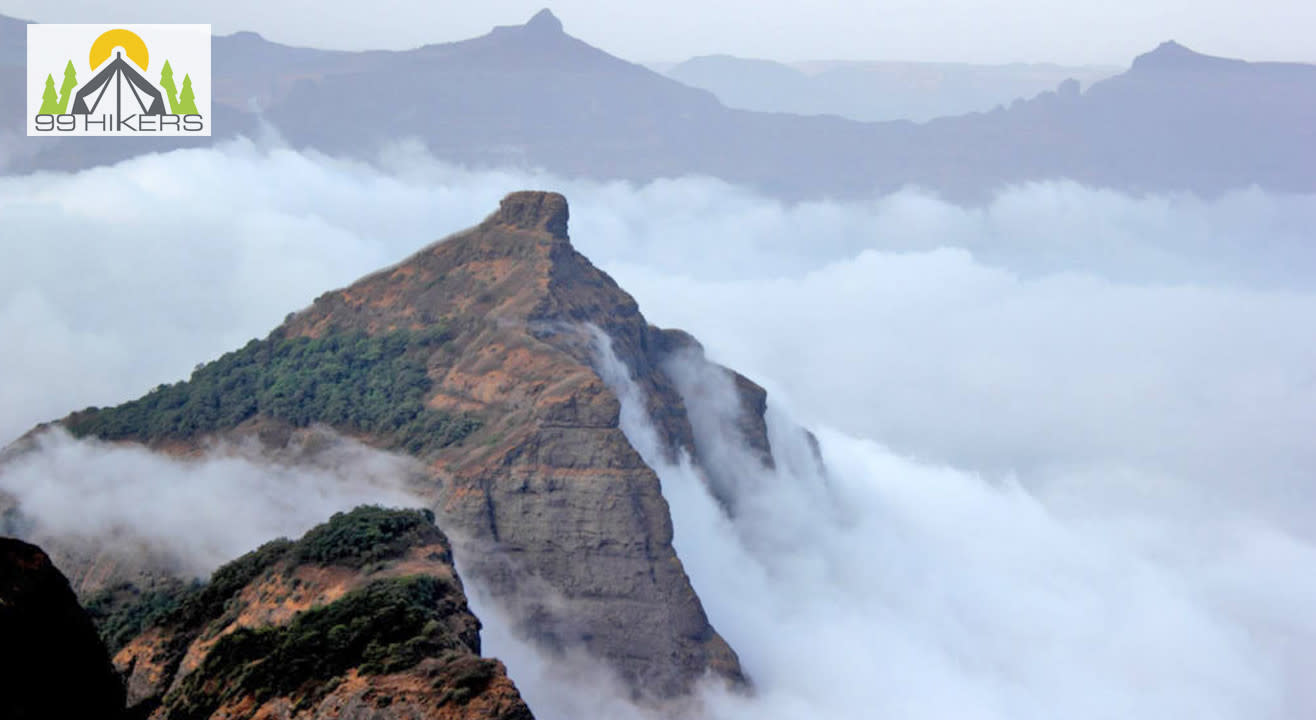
[{"x": 1067, "y": 433}]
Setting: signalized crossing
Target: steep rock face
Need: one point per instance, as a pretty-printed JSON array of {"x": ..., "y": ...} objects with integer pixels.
[
  {"x": 477, "y": 356},
  {"x": 564, "y": 520},
  {"x": 364, "y": 617},
  {"x": 52, "y": 664}
]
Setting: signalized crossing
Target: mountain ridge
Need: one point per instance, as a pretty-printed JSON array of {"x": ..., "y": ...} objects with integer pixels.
[
  {"x": 873, "y": 91},
  {"x": 542, "y": 99},
  {"x": 557, "y": 515},
  {"x": 1171, "y": 55},
  {"x": 363, "y": 612}
]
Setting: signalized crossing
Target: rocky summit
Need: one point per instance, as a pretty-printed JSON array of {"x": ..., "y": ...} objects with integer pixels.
[
  {"x": 565, "y": 522},
  {"x": 479, "y": 356}
]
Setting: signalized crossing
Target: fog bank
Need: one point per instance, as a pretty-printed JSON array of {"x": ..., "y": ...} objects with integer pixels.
[{"x": 1067, "y": 433}]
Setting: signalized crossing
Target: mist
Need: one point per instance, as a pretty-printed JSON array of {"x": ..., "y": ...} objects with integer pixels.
[
  {"x": 951, "y": 361},
  {"x": 194, "y": 514},
  {"x": 1067, "y": 433},
  {"x": 164, "y": 261},
  {"x": 892, "y": 588}
]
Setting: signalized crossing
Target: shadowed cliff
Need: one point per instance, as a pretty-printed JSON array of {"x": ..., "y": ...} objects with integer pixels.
[{"x": 52, "y": 664}]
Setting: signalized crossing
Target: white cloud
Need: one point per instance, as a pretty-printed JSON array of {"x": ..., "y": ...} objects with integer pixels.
[
  {"x": 195, "y": 513},
  {"x": 1068, "y": 432},
  {"x": 899, "y": 589},
  {"x": 945, "y": 358}
]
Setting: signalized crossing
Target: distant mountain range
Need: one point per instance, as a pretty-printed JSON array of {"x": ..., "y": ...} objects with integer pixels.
[
  {"x": 873, "y": 91},
  {"x": 533, "y": 96}
]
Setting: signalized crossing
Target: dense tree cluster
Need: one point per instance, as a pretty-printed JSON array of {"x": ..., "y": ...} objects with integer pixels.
[
  {"x": 124, "y": 611},
  {"x": 366, "y": 535},
  {"x": 373, "y": 384}
]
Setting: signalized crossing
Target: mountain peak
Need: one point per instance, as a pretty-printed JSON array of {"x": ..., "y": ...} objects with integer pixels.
[
  {"x": 247, "y": 36},
  {"x": 492, "y": 334},
  {"x": 544, "y": 22},
  {"x": 534, "y": 210},
  {"x": 1170, "y": 55}
]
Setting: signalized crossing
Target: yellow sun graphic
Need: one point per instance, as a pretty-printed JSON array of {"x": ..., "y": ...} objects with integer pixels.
[{"x": 126, "y": 39}]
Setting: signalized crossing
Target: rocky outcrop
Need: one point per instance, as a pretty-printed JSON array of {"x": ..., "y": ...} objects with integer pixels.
[
  {"x": 564, "y": 521},
  {"x": 363, "y": 617},
  {"x": 484, "y": 346},
  {"x": 52, "y": 664}
]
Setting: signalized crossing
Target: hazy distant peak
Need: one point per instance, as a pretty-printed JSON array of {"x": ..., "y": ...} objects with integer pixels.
[
  {"x": 247, "y": 36},
  {"x": 543, "y": 26},
  {"x": 545, "y": 22},
  {"x": 1168, "y": 51},
  {"x": 1170, "y": 55}
]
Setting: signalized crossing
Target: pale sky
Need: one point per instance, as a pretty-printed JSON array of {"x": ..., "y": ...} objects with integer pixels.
[{"x": 982, "y": 31}]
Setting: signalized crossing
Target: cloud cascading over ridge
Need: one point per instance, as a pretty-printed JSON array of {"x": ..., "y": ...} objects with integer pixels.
[
  {"x": 1069, "y": 429},
  {"x": 897, "y": 589}
]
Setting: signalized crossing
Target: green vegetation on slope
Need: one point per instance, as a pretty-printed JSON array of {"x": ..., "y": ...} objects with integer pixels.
[
  {"x": 124, "y": 611},
  {"x": 365, "y": 535},
  {"x": 364, "y": 383},
  {"x": 386, "y": 626},
  {"x": 211, "y": 600},
  {"x": 184, "y": 617}
]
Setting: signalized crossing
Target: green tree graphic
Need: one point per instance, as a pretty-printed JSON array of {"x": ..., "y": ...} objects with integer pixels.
[
  {"x": 49, "y": 99},
  {"x": 187, "y": 101},
  {"x": 66, "y": 90},
  {"x": 167, "y": 82}
]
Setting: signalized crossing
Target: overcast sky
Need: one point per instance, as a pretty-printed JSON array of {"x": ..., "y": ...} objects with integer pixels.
[{"x": 1080, "y": 32}]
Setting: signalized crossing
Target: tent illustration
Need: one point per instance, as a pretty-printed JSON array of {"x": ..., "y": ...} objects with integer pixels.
[{"x": 120, "y": 83}]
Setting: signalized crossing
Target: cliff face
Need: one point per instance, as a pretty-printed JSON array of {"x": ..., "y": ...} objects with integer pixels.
[
  {"x": 364, "y": 617},
  {"x": 477, "y": 356},
  {"x": 563, "y": 519},
  {"x": 52, "y": 664}
]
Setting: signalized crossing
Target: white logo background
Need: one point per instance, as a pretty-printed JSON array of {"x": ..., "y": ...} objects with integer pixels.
[{"x": 50, "y": 47}]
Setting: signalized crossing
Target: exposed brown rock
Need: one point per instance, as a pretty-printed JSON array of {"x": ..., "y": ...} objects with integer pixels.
[
  {"x": 534, "y": 211},
  {"x": 558, "y": 515},
  {"x": 400, "y": 696},
  {"x": 171, "y": 670},
  {"x": 564, "y": 521}
]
